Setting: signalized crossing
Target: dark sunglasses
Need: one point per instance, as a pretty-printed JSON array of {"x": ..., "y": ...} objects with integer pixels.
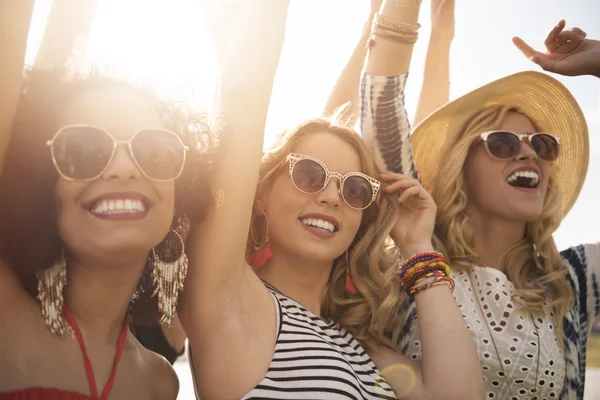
[
  {"x": 505, "y": 145},
  {"x": 310, "y": 175},
  {"x": 84, "y": 152}
]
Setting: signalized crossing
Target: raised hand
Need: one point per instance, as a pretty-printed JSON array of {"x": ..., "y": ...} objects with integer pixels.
[
  {"x": 568, "y": 52},
  {"x": 415, "y": 211},
  {"x": 442, "y": 18}
]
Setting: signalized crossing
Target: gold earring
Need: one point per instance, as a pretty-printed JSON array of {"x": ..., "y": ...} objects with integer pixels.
[
  {"x": 168, "y": 277},
  {"x": 51, "y": 283}
]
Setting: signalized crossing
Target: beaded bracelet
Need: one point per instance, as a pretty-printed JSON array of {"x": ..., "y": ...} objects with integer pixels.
[
  {"x": 378, "y": 28},
  {"x": 409, "y": 283},
  {"x": 405, "y": 265},
  {"x": 418, "y": 267},
  {"x": 380, "y": 19},
  {"x": 429, "y": 285},
  {"x": 395, "y": 37}
]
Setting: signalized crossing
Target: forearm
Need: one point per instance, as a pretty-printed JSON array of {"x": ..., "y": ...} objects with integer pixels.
[
  {"x": 391, "y": 58},
  {"x": 346, "y": 89},
  {"x": 15, "y": 18},
  {"x": 435, "y": 91},
  {"x": 384, "y": 121},
  {"x": 450, "y": 364}
]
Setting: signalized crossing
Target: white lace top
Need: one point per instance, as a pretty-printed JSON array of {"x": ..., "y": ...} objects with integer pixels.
[{"x": 513, "y": 332}]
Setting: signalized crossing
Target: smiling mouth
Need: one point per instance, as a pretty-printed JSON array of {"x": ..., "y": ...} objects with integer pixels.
[
  {"x": 118, "y": 206},
  {"x": 524, "y": 179},
  {"x": 318, "y": 223}
]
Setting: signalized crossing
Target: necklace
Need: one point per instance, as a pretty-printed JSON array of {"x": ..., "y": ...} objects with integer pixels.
[{"x": 537, "y": 334}]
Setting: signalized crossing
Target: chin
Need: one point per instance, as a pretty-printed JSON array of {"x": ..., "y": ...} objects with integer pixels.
[{"x": 527, "y": 214}]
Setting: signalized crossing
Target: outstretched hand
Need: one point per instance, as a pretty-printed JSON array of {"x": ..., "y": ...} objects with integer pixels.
[
  {"x": 415, "y": 211},
  {"x": 568, "y": 52}
]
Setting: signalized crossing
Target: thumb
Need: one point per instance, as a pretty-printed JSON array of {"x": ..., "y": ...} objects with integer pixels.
[{"x": 544, "y": 61}]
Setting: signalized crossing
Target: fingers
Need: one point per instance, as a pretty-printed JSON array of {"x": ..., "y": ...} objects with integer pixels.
[
  {"x": 570, "y": 35},
  {"x": 415, "y": 191},
  {"x": 551, "y": 42},
  {"x": 401, "y": 184},
  {"x": 524, "y": 47},
  {"x": 543, "y": 60}
]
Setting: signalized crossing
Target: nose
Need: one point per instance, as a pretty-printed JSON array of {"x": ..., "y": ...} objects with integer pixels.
[
  {"x": 330, "y": 196},
  {"x": 526, "y": 152},
  {"x": 122, "y": 165}
]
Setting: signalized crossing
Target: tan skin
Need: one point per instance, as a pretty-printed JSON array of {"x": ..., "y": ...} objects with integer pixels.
[
  {"x": 106, "y": 259},
  {"x": 568, "y": 52},
  {"x": 500, "y": 211},
  {"x": 226, "y": 311}
]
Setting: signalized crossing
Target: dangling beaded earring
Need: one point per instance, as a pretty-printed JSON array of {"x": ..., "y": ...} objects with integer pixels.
[
  {"x": 262, "y": 253},
  {"x": 350, "y": 286},
  {"x": 168, "y": 277},
  {"x": 51, "y": 283}
]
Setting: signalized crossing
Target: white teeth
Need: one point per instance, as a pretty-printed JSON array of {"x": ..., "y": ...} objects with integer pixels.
[
  {"x": 532, "y": 175},
  {"x": 118, "y": 206},
  {"x": 319, "y": 223}
]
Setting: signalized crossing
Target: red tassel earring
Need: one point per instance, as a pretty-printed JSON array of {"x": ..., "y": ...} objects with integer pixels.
[
  {"x": 350, "y": 286},
  {"x": 262, "y": 254}
]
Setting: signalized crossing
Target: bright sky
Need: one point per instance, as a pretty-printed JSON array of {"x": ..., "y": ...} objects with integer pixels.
[{"x": 165, "y": 43}]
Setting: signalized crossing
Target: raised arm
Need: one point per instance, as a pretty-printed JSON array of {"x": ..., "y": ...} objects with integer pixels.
[
  {"x": 383, "y": 119},
  {"x": 15, "y": 18},
  {"x": 450, "y": 367},
  {"x": 435, "y": 91},
  {"x": 224, "y": 305},
  {"x": 346, "y": 89}
]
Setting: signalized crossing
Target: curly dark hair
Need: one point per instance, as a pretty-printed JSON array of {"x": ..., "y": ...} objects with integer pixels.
[{"x": 29, "y": 238}]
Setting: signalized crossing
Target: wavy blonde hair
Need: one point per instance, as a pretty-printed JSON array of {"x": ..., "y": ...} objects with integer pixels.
[
  {"x": 372, "y": 314},
  {"x": 534, "y": 265}
]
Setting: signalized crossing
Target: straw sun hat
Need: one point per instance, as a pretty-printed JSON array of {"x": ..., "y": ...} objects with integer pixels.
[{"x": 541, "y": 98}]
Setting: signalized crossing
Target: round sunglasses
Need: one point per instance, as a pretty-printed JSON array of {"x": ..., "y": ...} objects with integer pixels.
[
  {"x": 84, "y": 152},
  {"x": 504, "y": 145},
  {"x": 310, "y": 175}
]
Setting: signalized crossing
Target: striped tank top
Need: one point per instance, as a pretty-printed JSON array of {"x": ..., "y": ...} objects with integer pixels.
[{"x": 317, "y": 360}]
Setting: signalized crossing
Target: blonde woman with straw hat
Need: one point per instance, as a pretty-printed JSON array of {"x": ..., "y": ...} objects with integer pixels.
[{"x": 504, "y": 163}]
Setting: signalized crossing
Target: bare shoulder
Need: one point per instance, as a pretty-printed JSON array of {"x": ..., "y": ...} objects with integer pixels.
[{"x": 163, "y": 378}]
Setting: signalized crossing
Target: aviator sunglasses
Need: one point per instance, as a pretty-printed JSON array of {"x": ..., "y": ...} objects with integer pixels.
[
  {"x": 84, "y": 152},
  {"x": 310, "y": 175},
  {"x": 504, "y": 145}
]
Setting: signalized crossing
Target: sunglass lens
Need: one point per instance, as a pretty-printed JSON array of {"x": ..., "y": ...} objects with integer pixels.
[
  {"x": 358, "y": 192},
  {"x": 546, "y": 146},
  {"x": 503, "y": 145},
  {"x": 160, "y": 154},
  {"x": 82, "y": 152},
  {"x": 308, "y": 176}
]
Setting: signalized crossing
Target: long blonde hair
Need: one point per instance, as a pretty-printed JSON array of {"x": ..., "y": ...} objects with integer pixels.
[
  {"x": 534, "y": 265},
  {"x": 372, "y": 314}
]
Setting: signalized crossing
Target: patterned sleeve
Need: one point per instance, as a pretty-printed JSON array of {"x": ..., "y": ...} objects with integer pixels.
[
  {"x": 384, "y": 123},
  {"x": 584, "y": 262}
]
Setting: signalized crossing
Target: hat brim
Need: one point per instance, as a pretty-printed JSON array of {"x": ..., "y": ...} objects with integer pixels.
[{"x": 543, "y": 99}]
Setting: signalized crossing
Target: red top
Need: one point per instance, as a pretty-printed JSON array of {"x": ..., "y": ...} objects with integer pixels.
[{"x": 37, "y": 393}]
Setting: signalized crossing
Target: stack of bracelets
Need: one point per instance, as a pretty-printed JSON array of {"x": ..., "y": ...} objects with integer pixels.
[
  {"x": 400, "y": 32},
  {"x": 424, "y": 271}
]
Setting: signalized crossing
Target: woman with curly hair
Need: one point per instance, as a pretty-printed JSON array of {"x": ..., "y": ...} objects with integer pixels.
[
  {"x": 99, "y": 184},
  {"x": 310, "y": 309},
  {"x": 504, "y": 163}
]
